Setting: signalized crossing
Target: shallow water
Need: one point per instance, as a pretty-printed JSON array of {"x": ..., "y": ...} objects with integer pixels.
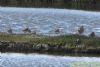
[
  {"x": 45, "y": 21},
  {"x": 40, "y": 60}
]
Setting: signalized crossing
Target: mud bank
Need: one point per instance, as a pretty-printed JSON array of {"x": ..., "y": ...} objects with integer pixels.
[{"x": 30, "y": 47}]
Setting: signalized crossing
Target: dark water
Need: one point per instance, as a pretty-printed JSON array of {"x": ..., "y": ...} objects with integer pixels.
[{"x": 41, "y": 60}]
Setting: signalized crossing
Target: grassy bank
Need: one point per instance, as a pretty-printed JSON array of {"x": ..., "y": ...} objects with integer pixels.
[{"x": 66, "y": 43}]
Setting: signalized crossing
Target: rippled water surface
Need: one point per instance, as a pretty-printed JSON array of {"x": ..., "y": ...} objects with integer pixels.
[
  {"x": 40, "y": 60},
  {"x": 45, "y": 21}
]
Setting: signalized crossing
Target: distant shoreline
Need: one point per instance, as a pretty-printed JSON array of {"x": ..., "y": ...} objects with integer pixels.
[{"x": 85, "y": 5}]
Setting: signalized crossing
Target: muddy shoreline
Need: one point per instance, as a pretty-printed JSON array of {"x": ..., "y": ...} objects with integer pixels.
[{"x": 43, "y": 48}]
